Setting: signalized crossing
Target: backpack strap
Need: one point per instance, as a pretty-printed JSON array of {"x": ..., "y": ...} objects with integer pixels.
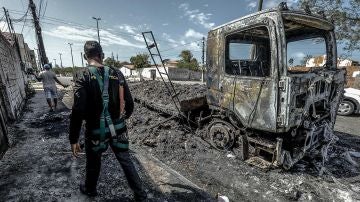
[{"x": 105, "y": 118}]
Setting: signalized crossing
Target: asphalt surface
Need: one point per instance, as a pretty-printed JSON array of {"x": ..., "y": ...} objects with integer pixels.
[{"x": 348, "y": 124}]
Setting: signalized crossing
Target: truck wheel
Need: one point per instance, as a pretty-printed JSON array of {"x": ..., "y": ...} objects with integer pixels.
[
  {"x": 346, "y": 108},
  {"x": 221, "y": 134}
]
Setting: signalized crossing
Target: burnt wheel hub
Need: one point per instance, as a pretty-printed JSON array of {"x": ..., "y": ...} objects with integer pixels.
[{"x": 221, "y": 135}]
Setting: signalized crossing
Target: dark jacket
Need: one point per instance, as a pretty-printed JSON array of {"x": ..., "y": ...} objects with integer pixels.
[{"x": 88, "y": 100}]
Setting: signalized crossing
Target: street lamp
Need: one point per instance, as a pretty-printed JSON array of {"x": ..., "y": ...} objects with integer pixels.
[
  {"x": 97, "y": 26},
  {"x": 72, "y": 57},
  {"x": 60, "y": 60}
]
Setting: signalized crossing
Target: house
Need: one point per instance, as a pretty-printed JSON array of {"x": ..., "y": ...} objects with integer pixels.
[
  {"x": 127, "y": 70},
  {"x": 320, "y": 61},
  {"x": 148, "y": 73}
]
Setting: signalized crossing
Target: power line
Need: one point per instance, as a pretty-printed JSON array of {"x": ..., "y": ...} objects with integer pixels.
[
  {"x": 56, "y": 21},
  {"x": 83, "y": 26},
  {"x": 45, "y": 9},
  {"x": 179, "y": 46}
]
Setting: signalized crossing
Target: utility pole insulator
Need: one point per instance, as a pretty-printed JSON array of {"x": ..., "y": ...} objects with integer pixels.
[{"x": 44, "y": 60}]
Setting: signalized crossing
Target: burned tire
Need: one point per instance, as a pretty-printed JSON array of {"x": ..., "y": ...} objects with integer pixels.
[
  {"x": 346, "y": 108},
  {"x": 221, "y": 134}
]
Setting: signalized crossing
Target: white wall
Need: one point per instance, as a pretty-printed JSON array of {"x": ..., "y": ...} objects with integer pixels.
[{"x": 146, "y": 72}]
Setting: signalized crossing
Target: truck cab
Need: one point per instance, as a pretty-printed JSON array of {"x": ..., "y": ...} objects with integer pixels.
[{"x": 257, "y": 74}]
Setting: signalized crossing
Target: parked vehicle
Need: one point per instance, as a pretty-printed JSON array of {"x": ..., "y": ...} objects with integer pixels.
[{"x": 350, "y": 103}]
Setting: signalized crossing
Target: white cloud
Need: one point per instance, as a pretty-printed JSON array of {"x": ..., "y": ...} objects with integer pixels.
[
  {"x": 193, "y": 34},
  {"x": 194, "y": 46},
  {"x": 196, "y": 16},
  {"x": 128, "y": 28},
  {"x": 75, "y": 34},
  {"x": 169, "y": 39},
  {"x": 139, "y": 38},
  {"x": 165, "y": 24},
  {"x": 252, "y": 5},
  {"x": 298, "y": 55},
  {"x": 3, "y": 26},
  {"x": 135, "y": 31}
]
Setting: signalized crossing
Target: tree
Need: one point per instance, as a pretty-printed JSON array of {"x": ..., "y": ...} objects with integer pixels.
[
  {"x": 291, "y": 61},
  {"x": 188, "y": 61},
  {"x": 346, "y": 17},
  {"x": 111, "y": 62},
  {"x": 140, "y": 61}
]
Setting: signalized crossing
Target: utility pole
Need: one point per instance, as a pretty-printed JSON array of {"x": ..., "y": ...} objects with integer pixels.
[
  {"x": 60, "y": 60},
  {"x": 97, "y": 27},
  {"x": 82, "y": 59},
  {"x": 44, "y": 60},
  {"x": 38, "y": 59},
  {"x": 117, "y": 57},
  {"x": 203, "y": 59},
  {"x": 260, "y": 5},
  {"x": 113, "y": 59},
  {"x": 6, "y": 12},
  {"x": 72, "y": 57},
  {"x": 54, "y": 62}
]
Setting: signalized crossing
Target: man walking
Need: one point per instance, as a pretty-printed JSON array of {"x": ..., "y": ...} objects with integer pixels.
[
  {"x": 48, "y": 79},
  {"x": 102, "y": 98}
]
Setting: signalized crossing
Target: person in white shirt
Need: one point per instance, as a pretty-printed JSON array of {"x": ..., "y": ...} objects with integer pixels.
[{"x": 48, "y": 79}]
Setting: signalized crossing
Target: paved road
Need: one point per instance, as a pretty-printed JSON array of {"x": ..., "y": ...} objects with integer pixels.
[{"x": 348, "y": 124}]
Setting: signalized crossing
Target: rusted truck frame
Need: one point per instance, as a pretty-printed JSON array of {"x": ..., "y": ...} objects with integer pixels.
[{"x": 273, "y": 120}]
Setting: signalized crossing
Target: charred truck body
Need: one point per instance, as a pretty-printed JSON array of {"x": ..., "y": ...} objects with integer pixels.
[{"x": 272, "y": 111}]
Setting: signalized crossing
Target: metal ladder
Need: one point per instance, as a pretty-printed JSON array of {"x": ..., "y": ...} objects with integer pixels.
[{"x": 155, "y": 54}]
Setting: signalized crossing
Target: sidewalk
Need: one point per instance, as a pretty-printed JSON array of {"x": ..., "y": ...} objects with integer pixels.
[{"x": 40, "y": 167}]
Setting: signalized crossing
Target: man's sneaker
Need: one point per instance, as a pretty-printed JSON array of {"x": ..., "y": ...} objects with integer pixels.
[{"x": 90, "y": 193}]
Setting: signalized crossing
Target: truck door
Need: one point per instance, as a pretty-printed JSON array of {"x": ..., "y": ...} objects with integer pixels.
[{"x": 248, "y": 85}]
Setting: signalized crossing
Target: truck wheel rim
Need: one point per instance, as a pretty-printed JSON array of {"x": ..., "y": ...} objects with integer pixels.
[{"x": 221, "y": 135}]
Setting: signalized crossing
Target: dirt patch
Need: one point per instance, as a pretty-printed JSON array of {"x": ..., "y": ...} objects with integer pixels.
[{"x": 219, "y": 172}]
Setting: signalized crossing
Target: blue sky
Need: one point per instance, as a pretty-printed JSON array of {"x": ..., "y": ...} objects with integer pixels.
[{"x": 177, "y": 24}]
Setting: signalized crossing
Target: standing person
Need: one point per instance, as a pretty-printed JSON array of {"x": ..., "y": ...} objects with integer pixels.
[
  {"x": 48, "y": 79},
  {"x": 102, "y": 98}
]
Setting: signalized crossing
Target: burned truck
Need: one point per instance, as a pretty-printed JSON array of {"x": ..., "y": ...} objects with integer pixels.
[
  {"x": 264, "y": 100},
  {"x": 272, "y": 111}
]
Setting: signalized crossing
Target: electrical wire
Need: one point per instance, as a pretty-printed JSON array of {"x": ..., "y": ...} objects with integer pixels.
[
  {"x": 83, "y": 26},
  {"x": 56, "y": 21},
  {"x": 45, "y": 9},
  {"x": 40, "y": 6}
]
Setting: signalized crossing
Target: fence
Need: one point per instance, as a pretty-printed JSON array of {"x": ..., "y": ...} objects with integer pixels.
[{"x": 179, "y": 74}]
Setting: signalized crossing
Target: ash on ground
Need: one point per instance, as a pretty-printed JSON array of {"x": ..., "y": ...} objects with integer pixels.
[{"x": 219, "y": 172}]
